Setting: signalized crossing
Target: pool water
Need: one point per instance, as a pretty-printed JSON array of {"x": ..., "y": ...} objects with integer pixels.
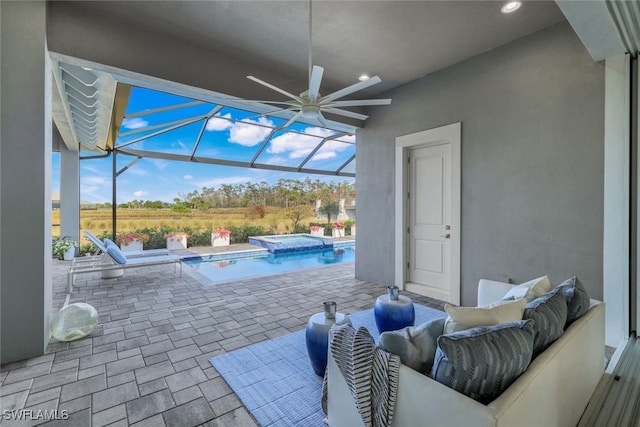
[{"x": 220, "y": 269}]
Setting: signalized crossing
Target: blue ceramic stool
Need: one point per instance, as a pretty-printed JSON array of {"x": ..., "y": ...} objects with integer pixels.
[
  {"x": 392, "y": 315},
  {"x": 317, "y": 337}
]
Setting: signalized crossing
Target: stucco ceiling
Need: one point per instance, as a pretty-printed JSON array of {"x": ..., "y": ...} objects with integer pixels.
[{"x": 397, "y": 40}]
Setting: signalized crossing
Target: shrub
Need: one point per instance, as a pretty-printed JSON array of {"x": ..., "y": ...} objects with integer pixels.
[
  {"x": 240, "y": 234},
  {"x": 299, "y": 229},
  {"x": 88, "y": 248},
  {"x": 63, "y": 245}
]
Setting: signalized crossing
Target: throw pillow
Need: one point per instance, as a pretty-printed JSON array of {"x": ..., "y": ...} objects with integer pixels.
[
  {"x": 529, "y": 290},
  {"x": 115, "y": 252},
  {"x": 461, "y": 318},
  {"x": 549, "y": 312},
  {"x": 578, "y": 301},
  {"x": 482, "y": 362},
  {"x": 416, "y": 346}
]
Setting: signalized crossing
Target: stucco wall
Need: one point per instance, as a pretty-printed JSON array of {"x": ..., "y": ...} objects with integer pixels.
[
  {"x": 25, "y": 173},
  {"x": 532, "y": 116}
]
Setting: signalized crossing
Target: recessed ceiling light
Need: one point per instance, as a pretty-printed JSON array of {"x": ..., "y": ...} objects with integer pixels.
[
  {"x": 363, "y": 77},
  {"x": 512, "y": 6}
]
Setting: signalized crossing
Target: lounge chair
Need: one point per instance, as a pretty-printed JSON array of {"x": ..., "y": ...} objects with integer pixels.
[
  {"x": 130, "y": 254},
  {"x": 111, "y": 258}
]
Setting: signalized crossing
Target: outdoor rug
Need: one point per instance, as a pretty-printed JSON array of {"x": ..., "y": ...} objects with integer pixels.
[{"x": 275, "y": 380}]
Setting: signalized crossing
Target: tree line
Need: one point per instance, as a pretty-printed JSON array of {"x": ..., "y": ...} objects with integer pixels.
[{"x": 284, "y": 193}]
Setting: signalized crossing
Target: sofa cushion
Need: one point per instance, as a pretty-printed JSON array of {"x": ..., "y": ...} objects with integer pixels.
[
  {"x": 482, "y": 362},
  {"x": 461, "y": 318},
  {"x": 115, "y": 252},
  {"x": 416, "y": 346},
  {"x": 578, "y": 301},
  {"x": 549, "y": 312},
  {"x": 529, "y": 290}
]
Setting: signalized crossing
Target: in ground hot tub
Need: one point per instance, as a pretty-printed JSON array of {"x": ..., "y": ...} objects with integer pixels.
[{"x": 291, "y": 242}]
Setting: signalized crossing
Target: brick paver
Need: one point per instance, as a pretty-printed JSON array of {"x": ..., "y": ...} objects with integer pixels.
[{"x": 147, "y": 361}]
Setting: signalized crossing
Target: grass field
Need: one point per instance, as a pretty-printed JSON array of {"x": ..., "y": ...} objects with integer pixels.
[{"x": 99, "y": 221}]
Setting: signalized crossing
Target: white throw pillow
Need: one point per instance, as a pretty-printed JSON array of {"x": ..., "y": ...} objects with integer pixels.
[
  {"x": 461, "y": 318},
  {"x": 530, "y": 290}
]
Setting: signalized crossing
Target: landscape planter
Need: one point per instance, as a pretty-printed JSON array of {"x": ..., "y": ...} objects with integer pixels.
[
  {"x": 134, "y": 245},
  {"x": 353, "y": 230},
  {"x": 317, "y": 233},
  {"x": 217, "y": 240},
  {"x": 338, "y": 232},
  {"x": 174, "y": 243},
  {"x": 70, "y": 253}
]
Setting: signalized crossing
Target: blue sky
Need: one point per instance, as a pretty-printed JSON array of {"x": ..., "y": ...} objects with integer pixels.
[{"x": 155, "y": 179}]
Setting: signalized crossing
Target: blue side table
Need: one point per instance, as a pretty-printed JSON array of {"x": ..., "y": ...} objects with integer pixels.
[
  {"x": 317, "y": 337},
  {"x": 392, "y": 315}
]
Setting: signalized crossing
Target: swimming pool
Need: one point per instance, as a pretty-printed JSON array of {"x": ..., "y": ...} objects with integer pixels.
[{"x": 228, "y": 267}]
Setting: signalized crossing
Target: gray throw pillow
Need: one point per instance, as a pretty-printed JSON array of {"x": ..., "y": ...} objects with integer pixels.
[
  {"x": 416, "y": 346},
  {"x": 549, "y": 312},
  {"x": 482, "y": 362},
  {"x": 578, "y": 300},
  {"x": 115, "y": 251}
]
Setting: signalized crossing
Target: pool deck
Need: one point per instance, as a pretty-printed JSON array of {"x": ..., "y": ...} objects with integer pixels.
[{"x": 147, "y": 361}]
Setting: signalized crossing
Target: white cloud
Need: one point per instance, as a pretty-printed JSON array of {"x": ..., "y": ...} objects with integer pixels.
[
  {"x": 95, "y": 180},
  {"x": 298, "y": 146},
  {"x": 138, "y": 171},
  {"x": 276, "y": 160},
  {"x": 93, "y": 193},
  {"x": 140, "y": 193},
  {"x": 135, "y": 123},
  {"x": 231, "y": 180},
  {"x": 329, "y": 150},
  {"x": 249, "y": 135},
  {"x": 321, "y": 132},
  {"x": 214, "y": 123},
  {"x": 188, "y": 177},
  {"x": 159, "y": 163},
  {"x": 91, "y": 169},
  {"x": 347, "y": 138}
]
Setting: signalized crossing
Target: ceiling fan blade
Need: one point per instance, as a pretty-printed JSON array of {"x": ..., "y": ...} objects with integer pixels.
[
  {"x": 292, "y": 119},
  {"x": 256, "y": 101},
  {"x": 314, "y": 82},
  {"x": 360, "y": 102},
  {"x": 270, "y": 113},
  {"x": 277, "y": 89},
  {"x": 351, "y": 89},
  {"x": 346, "y": 113},
  {"x": 322, "y": 120}
]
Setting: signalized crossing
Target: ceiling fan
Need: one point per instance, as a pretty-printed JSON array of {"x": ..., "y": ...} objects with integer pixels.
[{"x": 310, "y": 104}]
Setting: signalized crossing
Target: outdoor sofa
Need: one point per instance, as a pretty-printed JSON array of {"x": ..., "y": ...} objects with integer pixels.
[{"x": 553, "y": 391}]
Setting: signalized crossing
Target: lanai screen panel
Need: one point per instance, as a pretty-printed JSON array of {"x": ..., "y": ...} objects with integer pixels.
[{"x": 166, "y": 126}]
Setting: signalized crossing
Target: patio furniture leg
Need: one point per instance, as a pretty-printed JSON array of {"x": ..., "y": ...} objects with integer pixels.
[{"x": 69, "y": 281}]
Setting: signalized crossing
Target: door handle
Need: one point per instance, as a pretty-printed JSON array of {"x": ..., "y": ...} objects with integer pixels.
[{"x": 446, "y": 236}]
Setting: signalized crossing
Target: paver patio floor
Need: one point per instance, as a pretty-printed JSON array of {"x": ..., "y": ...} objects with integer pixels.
[{"x": 147, "y": 362}]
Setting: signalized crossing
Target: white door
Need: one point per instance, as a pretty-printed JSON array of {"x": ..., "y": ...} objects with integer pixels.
[
  {"x": 429, "y": 271},
  {"x": 431, "y": 213}
]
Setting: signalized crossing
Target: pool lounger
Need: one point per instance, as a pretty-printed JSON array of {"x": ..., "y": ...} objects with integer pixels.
[
  {"x": 130, "y": 254},
  {"x": 107, "y": 262}
]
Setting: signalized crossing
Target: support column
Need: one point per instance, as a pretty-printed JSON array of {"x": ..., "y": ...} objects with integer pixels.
[
  {"x": 617, "y": 197},
  {"x": 69, "y": 193},
  {"x": 25, "y": 181}
]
